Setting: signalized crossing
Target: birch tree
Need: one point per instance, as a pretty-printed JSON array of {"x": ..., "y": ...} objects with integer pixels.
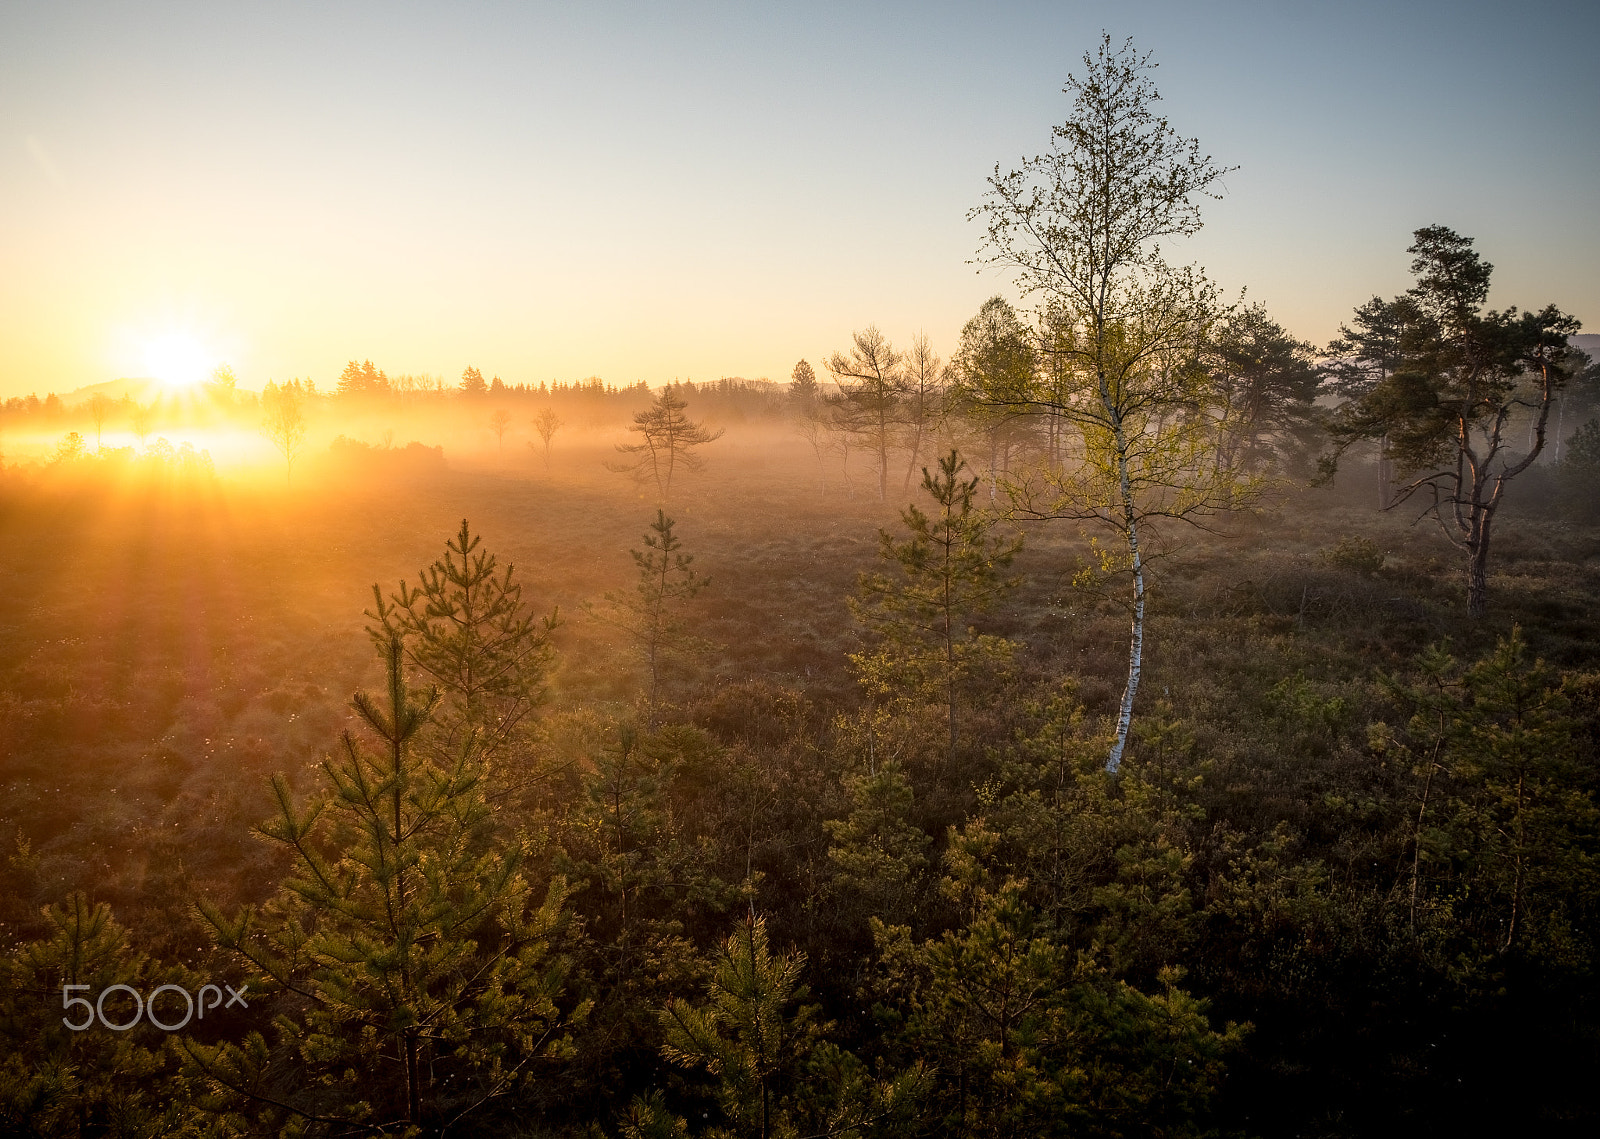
[
  {"x": 283, "y": 421},
  {"x": 547, "y": 423},
  {"x": 1080, "y": 228}
]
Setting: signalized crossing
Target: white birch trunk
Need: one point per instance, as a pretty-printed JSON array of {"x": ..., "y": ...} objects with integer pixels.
[{"x": 1136, "y": 634}]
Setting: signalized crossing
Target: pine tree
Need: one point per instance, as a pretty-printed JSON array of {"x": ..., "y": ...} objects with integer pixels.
[
  {"x": 872, "y": 383},
  {"x": 410, "y": 956},
  {"x": 773, "y": 1071},
  {"x": 1033, "y": 1039},
  {"x": 1498, "y": 845},
  {"x": 996, "y": 355},
  {"x": 949, "y": 570},
  {"x": 746, "y": 1035},
  {"x": 642, "y": 876},
  {"x": 877, "y": 853},
  {"x": 668, "y": 438},
  {"x": 653, "y": 615},
  {"x": 1469, "y": 382},
  {"x": 810, "y": 413},
  {"x": 466, "y": 628},
  {"x": 58, "y": 1081}
]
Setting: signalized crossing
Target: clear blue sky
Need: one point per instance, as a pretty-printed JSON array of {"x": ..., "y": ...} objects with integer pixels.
[{"x": 645, "y": 191}]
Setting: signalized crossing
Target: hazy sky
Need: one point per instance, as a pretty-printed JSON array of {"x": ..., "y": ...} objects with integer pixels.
[{"x": 644, "y": 191}]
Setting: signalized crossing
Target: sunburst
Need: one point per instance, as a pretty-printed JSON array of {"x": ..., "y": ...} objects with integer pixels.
[{"x": 177, "y": 360}]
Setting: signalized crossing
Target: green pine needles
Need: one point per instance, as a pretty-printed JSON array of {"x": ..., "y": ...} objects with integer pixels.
[
  {"x": 653, "y": 615},
  {"x": 407, "y": 958},
  {"x": 949, "y": 569},
  {"x": 466, "y": 627}
]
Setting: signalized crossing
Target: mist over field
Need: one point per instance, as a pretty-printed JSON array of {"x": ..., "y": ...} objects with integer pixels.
[
  {"x": 183, "y": 623},
  {"x": 1054, "y": 690}
]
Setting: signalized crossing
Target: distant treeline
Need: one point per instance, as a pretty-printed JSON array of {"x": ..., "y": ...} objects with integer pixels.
[{"x": 370, "y": 386}]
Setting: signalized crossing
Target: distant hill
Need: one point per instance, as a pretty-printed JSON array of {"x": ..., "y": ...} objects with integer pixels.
[
  {"x": 1588, "y": 341},
  {"x": 141, "y": 389}
]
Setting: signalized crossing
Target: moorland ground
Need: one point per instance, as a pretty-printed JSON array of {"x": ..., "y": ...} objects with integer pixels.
[{"x": 166, "y": 646}]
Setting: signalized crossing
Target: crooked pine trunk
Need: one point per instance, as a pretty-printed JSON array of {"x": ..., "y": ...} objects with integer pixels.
[
  {"x": 1477, "y": 543},
  {"x": 1478, "y": 575},
  {"x": 1385, "y": 475}
]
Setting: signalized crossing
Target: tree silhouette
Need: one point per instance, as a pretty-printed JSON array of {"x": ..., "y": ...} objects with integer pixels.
[
  {"x": 99, "y": 408},
  {"x": 810, "y": 413},
  {"x": 547, "y": 423},
  {"x": 926, "y": 385},
  {"x": 667, "y": 444},
  {"x": 498, "y": 422},
  {"x": 1263, "y": 393},
  {"x": 872, "y": 383},
  {"x": 996, "y": 358},
  {"x": 362, "y": 379},
  {"x": 284, "y": 422},
  {"x": 143, "y": 420}
]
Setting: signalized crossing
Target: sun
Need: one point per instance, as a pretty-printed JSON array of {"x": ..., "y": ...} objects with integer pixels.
[{"x": 177, "y": 360}]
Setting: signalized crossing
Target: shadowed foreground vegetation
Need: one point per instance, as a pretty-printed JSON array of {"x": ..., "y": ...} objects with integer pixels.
[{"x": 1344, "y": 882}]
